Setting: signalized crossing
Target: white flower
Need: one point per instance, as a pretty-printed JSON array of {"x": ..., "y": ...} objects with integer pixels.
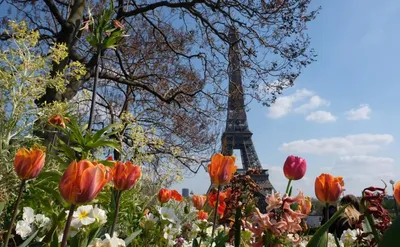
[
  {"x": 151, "y": 217},
  {"x": 302, "y": 244},
  {"x": 97, "y": 242},
  {"x": 349, "y": 237},
  {"x": 82, "y": 216},
  {"x": 332, "y": 242},
  {"x": 169, "y": 234},
  {"x": 217, "y": 229},
  {"x": 23, "y": 229},
  {"x": 28, "y": 215},
  {"x": 42, "y": 221},
  {"x": 168, "y": 214},
  {"x": 113, "y": 241},
  {"x": 72, "y": 233},
  {"x": 99, "y": 215}
]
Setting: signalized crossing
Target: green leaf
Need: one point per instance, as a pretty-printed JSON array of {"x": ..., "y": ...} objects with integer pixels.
[
  {"x": 52, "y": 233},
  {"x": 92, "y": 41},
  {"x": 105, "y": 143},
  {"x": 28, "y": 240},
  {"x": 2, "y": 206},
  {"x": 318, "y": 238},
  {"x": 99, "y": 133},
  {"x": 78, "y": 149},
  {"x": 93, "y": 234},
  {"x": 66, "y": 149},
  {"x": 195, "y": 243},
  {"x": 54, "y": 241},
  {"x": 391, "y": 236},
  {"x": 50, "y": 176},
  {"x": 129, "y": 239},
  {"x": 76, "y": 132}
]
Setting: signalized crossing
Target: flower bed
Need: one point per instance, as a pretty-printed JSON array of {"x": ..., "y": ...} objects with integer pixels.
[{"x": 101, "y": 203}]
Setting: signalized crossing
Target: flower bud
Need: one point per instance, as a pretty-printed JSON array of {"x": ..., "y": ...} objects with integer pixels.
[
  {"x": 29, "y": 163},
  {"x": 295, "y": 167}
]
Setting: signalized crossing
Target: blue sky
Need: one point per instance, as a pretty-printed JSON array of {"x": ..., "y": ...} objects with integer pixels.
[{"x": 342, "y": 115}]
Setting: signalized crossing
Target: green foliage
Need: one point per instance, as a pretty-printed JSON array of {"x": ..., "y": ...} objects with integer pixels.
[
  {"x": 24, "y": 77},
  {"x": 81, "y": 142},
  {"x": 391, "y": 236},
  {"x": 104, "y": 34},
  {"x": 320, "y": 237}
]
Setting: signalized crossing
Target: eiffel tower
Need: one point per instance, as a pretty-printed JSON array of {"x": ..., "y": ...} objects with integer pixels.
[{"x": 237, "y": 135}]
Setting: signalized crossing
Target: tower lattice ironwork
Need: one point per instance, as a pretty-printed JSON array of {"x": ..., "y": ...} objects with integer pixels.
[{"x": 237, "y": 135}]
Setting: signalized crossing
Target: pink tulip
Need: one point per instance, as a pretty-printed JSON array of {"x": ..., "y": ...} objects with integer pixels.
[{"x": 295, "y": 167}]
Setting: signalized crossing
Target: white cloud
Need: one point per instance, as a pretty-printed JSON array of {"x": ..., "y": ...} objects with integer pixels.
[
  {"x": 314, "y": 103},
  {"x": 365, "y": 160},
  {"x": 361, "y": 113},
  {"x": 321, "y": 117},
  {"x": 362, "y": 171},
  {"x": 348, "y": 145},
  {"x": 283, "y": 105}
]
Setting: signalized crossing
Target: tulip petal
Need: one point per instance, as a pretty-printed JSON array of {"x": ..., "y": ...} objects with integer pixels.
[
  {"x": 175, "y": 195},
  {"x": 92, "y": 181},
  {"x": 396, "y": 192},
  {"x": 67, "y": 186},
  {"x": 320, "y": 188}
]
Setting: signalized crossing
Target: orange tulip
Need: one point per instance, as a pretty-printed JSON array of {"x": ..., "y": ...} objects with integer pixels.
[
  {"x": 222, "y": 169},
  {"x": 83, "y": 180},
  {"x": 125, "y": 175},
  {"x": 164, "y": 195},
  {"x": 198, "y": 201},
  {"x": 201, "y": 215},
  {"x": 396, "y": 192},
  {"x": 305, "y": 205},
  {"x": 58, "y": 120},
  {"x": 328, "y": 188},
  {"x": 29, "y": 163}
]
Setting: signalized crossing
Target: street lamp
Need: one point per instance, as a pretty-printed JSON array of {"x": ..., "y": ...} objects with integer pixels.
[{"x": 395, "y": 203}]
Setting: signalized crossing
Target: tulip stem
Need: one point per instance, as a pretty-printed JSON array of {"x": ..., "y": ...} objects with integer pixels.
[
  {"x": 215, "y": 213},
  {"x": 326, "y": 212},
  {"x": 14, "y": 215},
  {"x": 326, "y": 220},
  {"x": 67, "y": 225},
  {"x": 116, "y": 211},
  {"x": 288, "y": 187}
]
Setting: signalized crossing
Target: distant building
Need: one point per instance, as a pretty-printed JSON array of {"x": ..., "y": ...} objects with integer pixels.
[
  {"x": 314, "y": 221},
  {"x": 185, "y": 192}
]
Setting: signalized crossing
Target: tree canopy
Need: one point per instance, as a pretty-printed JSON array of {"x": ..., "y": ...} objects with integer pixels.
[{"x": 169, "y": 73}]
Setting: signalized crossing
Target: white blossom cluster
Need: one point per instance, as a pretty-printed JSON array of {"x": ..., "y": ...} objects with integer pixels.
[
  {"x": 108, "y": 241},
  {"x": 347, "y": 239},
  {"x": 84, "y": 216},
  {"x": 31, "y": 222}
]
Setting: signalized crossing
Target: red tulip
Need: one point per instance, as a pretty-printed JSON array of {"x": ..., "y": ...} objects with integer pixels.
[
  {"x": 82, "y": 181},
  {"x": 295, "y": 167},
  {"x": 29, "y": 163},
  {"x": 164, "y": 195},
  {"x": 221, "y": 169},
  {"x": 212, "y": 200},
  {"x": 201, "y": 215},
  {"x": 125, "y": 175}
]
